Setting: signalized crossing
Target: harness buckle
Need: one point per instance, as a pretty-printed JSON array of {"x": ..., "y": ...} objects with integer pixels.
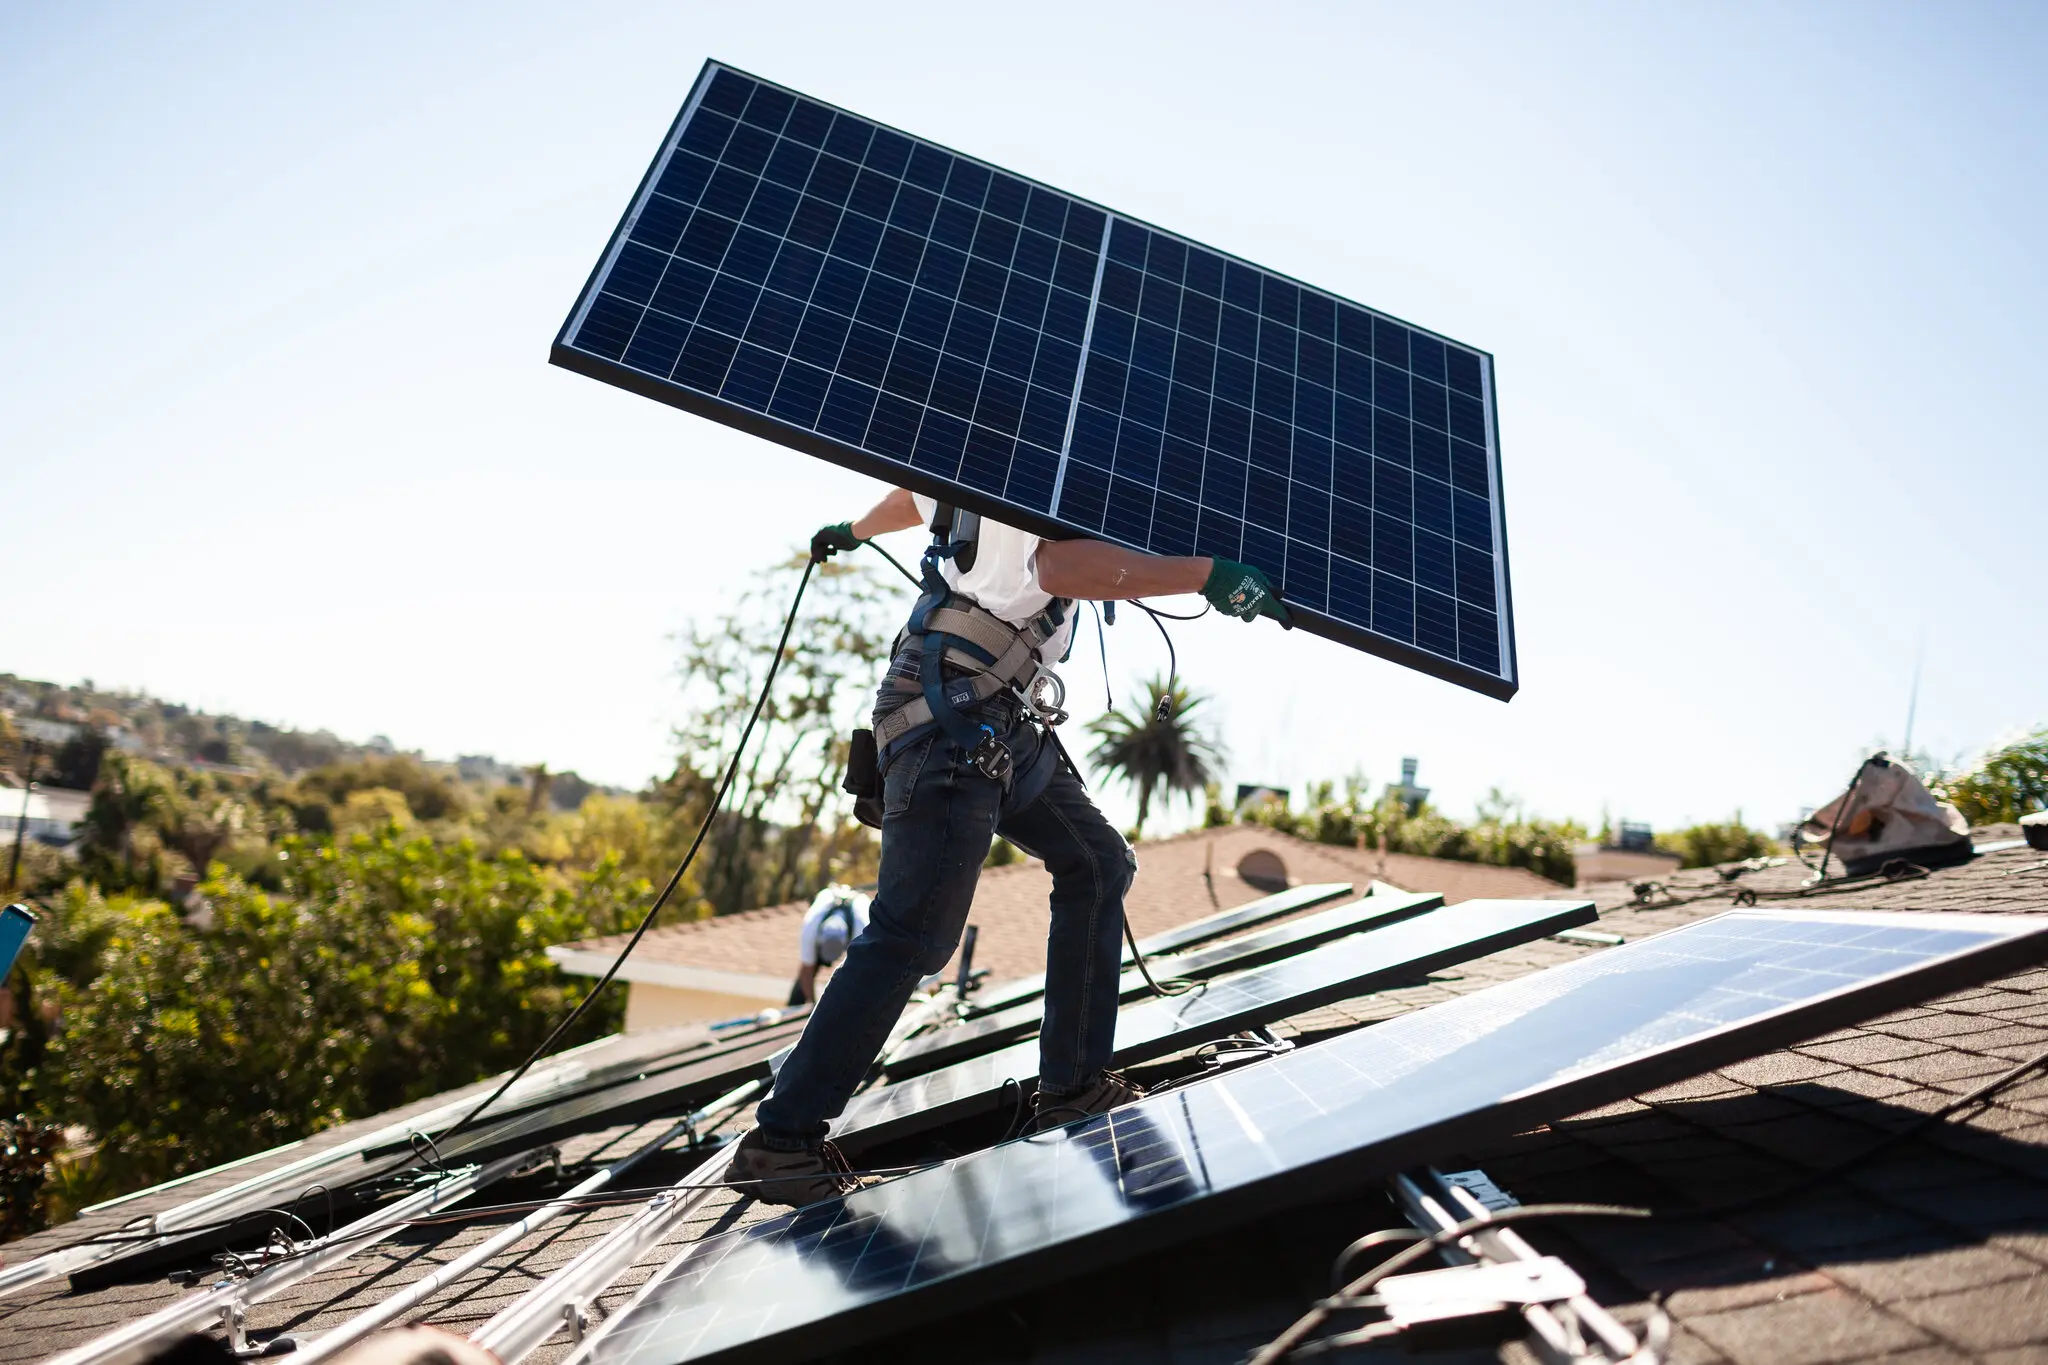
[{"x": 991, "y": 757}]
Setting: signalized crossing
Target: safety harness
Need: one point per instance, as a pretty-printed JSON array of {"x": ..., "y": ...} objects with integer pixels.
[{"x": 987, "y": 657}]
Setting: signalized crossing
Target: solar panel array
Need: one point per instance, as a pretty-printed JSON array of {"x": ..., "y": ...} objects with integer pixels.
[
  {"x": 817, "y": 278},
  {"x": 993, "y": 998},
  {"x": 1403, "y": 951},
  {"x": 987, "y": 1031},
  {"x": 1540, "y": 1047}
]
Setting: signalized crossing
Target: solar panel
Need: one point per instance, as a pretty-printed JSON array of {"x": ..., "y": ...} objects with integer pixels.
[
  {"x": 813, "y": 277},
  {"x": 1321, "y": 1119},
  {"x": 1173, "y": 940},
  {"x": 1400, "y": 952},
  {"x": 734, "y": 1054},
  {"x": 673, "y": 1090},
  {"x": 208, "y": 1222},
  {"x": 989, "y": 1031}
]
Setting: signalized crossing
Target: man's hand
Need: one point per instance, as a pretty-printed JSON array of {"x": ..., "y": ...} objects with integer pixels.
[
  {"x": 1242, "y": 591},
  {"x": 830, "y": 540}
]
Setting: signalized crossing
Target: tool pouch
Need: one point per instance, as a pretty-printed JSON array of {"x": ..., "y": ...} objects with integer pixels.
[{"x": 864, "y": 779}]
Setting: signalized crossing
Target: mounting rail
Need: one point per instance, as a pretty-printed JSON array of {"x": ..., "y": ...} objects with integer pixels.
[{"x": 228, "y": 1301}]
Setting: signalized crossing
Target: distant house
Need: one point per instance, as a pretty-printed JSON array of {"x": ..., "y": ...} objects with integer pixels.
[
  {"x": 52, "y": 734},
  {"x": 51, "y": 815},
  {"x": 736, "y": 965},
  {"x": 1631, "y": 856}
]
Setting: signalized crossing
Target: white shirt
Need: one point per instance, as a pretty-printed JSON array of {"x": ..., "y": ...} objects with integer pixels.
[
  {"x": 823, "y": 939},
  {"x": 1004, "y": 579}
]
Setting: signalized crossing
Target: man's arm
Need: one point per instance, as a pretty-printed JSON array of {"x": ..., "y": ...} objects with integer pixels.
[
  {"x": 807, "y": 981},
  {"x": 897, "y": 512},
  {"x": 1097, "y": 571}
]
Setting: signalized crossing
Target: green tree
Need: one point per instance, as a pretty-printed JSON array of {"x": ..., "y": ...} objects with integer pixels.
[
  {"x": 2006, "y": 783},
  {"x": 787, "y": 828},
  {"x": 1152, "y": 754},
  {"x": 386, "y": 969},
  {"x": 1706, "y": 845},
  {"x": 119, "y": 825}
]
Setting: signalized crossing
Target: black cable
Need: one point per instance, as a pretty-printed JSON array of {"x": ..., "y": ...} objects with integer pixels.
[
  {"x": 1163, "y": 712},
  {"x": 1140, "y": 604},
  {"x": 1841, "y": 818},
  {"x": 1294, "y": 1340},
  {"x": 647, "y": 920},
  {"x": 1101, "y": 644},
  {"x": 915, "y": 581}
]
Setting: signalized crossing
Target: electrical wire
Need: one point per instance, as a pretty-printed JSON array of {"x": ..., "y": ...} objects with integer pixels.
[
  {"x": 1294, "y": 1341},
  {"x": 647, "y": 921}
]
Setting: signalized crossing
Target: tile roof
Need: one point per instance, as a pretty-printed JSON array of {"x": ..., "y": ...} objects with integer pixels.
[
  {"x": 1010, "y": 902},
  {"x": 1935, "y": 1252}
]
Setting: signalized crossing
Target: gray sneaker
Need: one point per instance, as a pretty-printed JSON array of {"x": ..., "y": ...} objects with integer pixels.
[
  {"x": 1108, "y": 1090},
  {"x": 793, "y": 1178}
]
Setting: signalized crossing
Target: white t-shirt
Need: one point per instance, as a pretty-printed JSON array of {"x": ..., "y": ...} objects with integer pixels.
[
  {"x": 1004, "y": 579},
  {"x": 825, "y": 934}
]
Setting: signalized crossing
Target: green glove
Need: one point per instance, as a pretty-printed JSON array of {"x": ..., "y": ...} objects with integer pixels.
[
  {"x": 830, "y": 540},
  {"x": 1242, "y": 591}
]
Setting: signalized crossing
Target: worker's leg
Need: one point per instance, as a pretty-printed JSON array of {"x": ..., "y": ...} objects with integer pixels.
[
  {"x": 938, "y": 818},
  {"x": 1091, "y": 868}
]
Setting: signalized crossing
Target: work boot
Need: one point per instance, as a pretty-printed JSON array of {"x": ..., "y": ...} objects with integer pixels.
[
  {"x": 1108, "y": 1090},
  {"x": 796, "y": 1178}
]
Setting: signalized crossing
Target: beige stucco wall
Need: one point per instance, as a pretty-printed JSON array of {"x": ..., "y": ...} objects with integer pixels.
[{"x": 660, "y": 1006}]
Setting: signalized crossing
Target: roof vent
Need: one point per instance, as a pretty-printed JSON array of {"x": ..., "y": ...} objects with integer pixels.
[{"x": 1262, "y": 868}]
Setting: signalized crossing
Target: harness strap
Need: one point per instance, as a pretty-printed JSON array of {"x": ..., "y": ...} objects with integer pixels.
[{"x": 916, "y": 713}]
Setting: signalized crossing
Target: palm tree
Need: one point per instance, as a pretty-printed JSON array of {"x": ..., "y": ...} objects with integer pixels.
[{"x": 1160, "y": 749}]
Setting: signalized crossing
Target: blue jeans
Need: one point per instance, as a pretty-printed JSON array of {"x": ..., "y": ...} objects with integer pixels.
[{"x": 939, "y": 817}]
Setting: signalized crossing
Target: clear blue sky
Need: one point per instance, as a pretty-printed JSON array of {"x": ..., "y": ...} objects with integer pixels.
[{"x": 1764, "y": 283}]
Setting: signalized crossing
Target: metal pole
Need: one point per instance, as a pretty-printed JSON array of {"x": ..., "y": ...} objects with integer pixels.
[
  {"x": 562, "y": 1299},
  {"x": 419, "y": 1291},
  {"x": 142, "y": 1339},
  {"x": 21, "y": 825}
]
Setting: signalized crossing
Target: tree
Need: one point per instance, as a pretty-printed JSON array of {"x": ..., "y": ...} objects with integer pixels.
[
  {"x": 388, "y": 968},
  {"x": 2006, "y": 783},
  {"x": 1706, "y": 845},
  {"x": 131, "y": 792},
  {"x": 787, "y": 828},
  {"x": 1150, "y": 753}
]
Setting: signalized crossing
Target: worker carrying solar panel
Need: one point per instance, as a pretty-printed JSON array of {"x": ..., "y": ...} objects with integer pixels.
[
  {"x": 835, "y": 919},
  {"x": 963, "y": 754}
]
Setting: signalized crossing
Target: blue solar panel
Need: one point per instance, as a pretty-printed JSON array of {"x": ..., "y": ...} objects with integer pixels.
[
  {"x": 827, "y": 282},
  {"x": 1403, "y": 951},
  {"x": 1250, "y": 1142},
  {"x": 987, "y": 1032}
]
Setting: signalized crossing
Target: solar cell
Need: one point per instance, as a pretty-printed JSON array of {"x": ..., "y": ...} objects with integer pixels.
[
  {"x": 1323, "y": 1118},
  {"x": 1294, "y": 898},
  {"x": 1400, "y": 952},
  {"x": 822, "y": 280},
  {"x": 1239, "y": 954}
]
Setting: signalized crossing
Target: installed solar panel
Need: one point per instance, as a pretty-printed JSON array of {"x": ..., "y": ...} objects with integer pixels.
[
  {"x": 1181, "y": 936},
  {"x": 1327, "y": 1117},
  {"x": 672, "y": 1090},
  {"x": 990, "y": 1031},
  {"x": 1399, "y": 952},
  {"x": 347, "y": 1171},
  {"x": 814, "y": 277}
]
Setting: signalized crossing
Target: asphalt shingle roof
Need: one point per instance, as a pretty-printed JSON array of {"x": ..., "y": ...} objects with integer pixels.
[
  {"x": 1170, "y": 889},
  {"x": 1937, "y": 1251}
]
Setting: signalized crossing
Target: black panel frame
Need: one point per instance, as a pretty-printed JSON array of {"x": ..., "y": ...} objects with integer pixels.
[{"x": 1501, "y": 688}]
